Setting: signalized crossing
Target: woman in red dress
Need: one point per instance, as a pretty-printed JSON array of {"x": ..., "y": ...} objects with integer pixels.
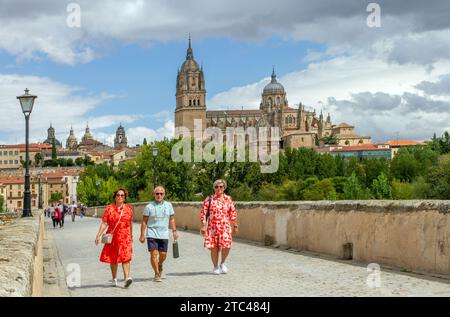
[
  {"x": 121, "y": 248},
  {"x": 216, "y": 228}
]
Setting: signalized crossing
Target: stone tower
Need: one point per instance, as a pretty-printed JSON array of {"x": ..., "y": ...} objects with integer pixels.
[
  {"x": 191, "y": 93},
  {"x": 51, "y": 136},
  {"x": 274, "y": 102},
  {"x": 87, "y": 134},
  {"x": 120, "y": 142},
  {"x": 71, "y": 142}
]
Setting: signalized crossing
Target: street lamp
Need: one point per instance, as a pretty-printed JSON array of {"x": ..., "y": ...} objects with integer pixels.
[
  {"x": 155, "y": 154},
  {"x": 27, "y": 102},
  {"x": 40, "y": 190},
  {"x": 97, "y": 183}
]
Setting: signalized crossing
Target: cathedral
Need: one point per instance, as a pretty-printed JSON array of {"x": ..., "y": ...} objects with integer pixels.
[
  {"x": 89, "y": 143},
  {"x": 298, "y": 126}
]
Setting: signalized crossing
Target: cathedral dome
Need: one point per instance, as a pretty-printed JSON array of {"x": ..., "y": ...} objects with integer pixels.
[{"x": 274, "y": 86}]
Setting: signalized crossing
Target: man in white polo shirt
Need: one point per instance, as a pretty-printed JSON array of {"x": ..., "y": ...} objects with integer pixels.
[{"x": 155, "y": 227}]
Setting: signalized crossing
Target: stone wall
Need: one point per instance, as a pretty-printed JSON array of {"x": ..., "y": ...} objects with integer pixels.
[
  {"x": 411, "y": 235},
  {"x": 21, "y": 256}
]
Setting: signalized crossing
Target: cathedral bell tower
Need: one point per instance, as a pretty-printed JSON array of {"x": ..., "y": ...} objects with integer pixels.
[{"x": 191, "y": 93}]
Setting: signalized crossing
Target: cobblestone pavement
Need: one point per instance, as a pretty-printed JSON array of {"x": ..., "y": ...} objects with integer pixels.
[{"x": 254, "y": 270}]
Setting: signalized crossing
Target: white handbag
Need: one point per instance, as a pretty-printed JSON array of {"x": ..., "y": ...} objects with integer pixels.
[{"x": 107, "y": 237}]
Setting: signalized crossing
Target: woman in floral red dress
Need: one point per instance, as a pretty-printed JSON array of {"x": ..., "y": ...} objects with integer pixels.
[
  {"x": 121, "y": 248},
  {"x": 216, "y": 228}
]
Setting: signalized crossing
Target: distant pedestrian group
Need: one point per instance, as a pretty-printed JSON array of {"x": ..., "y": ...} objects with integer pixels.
[{"x": 216, "y": 216}]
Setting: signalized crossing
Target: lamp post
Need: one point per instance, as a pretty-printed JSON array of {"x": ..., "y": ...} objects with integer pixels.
[
  {"x": 27, "y": 102},
  {"x": 155, "y": 154},
  {"x": 40, "y": 190},
  {"x": 98, "y": 190}
]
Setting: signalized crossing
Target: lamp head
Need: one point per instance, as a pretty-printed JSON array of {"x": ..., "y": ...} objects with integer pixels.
[{"x": 27, "y": 102}]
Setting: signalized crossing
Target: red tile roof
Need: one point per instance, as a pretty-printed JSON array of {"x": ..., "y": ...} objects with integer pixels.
[{"x": 404, "y": 143}]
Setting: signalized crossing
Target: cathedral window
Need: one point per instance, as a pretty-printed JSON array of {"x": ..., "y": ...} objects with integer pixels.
[
  {"x": 190, "y": 102},
  {"x": 198, "y": 102},
  {"x": 278, "y": 100}
]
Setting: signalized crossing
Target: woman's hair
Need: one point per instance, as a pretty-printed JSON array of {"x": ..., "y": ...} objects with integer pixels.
[
  {"x": 118, "y": 190},
  {"x": 220, "y": 181}
]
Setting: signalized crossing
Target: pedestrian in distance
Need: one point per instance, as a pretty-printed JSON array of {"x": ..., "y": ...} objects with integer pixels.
[
  {"x": 54, "y": 214},
  {"x": 118, "y": 220},
  {"x": 62, "y": 215},
  {"x": 217, "y": 215},
  {"x": 73, "y": 210},
  {"x": 155, "y": 228},
  {"x": 82, "y": 211}
]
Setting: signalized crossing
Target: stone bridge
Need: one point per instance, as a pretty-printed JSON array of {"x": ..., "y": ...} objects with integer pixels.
[{"x": 283, "y": 249}]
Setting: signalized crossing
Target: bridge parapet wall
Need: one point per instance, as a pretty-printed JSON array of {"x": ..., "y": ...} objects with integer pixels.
[{"x": 412, "y": 235}]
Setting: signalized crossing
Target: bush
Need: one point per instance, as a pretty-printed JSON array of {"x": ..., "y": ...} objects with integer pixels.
[
  {"x": 402, "y": 190},
  {"x": 320, "y": 191}
]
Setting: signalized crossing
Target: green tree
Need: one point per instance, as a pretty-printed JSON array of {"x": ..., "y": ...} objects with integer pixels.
[
  {"x": 2, "y": 202},
  {"x": 438, "y": 179},
  {"x": 402, "y": 190},
  {"x": 38, "y": 159},
  {"x": 331, "y": 139},
  {"x": 145, "y": 141},
  {"x": 353, "y": 189},
  {"x": 405, "y": 167},
  {"x": 54, "y": 154},
  {"x": 56, "y": 196},
  {"x": 381, "y": 187},
  {"x": 321, "y": 190},
  {"x": 242, "y": 193},
  {"x": 79, "y": 161}
]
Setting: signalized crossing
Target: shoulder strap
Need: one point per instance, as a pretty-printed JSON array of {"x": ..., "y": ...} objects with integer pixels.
[
  {"x": 121, "y": 212},
  {"x": 209, "y": 207}
]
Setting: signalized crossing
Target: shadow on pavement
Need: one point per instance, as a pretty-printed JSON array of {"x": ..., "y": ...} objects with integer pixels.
[{"x": 188, "y": 274}]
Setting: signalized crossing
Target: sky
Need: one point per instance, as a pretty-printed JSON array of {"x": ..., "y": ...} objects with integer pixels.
[{"x": 105, "y": 63}]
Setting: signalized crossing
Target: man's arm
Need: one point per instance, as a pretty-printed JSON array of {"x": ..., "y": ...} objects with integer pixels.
[
  {"x": 174, "y": 227},
  {"x": 143, "y": 228}
]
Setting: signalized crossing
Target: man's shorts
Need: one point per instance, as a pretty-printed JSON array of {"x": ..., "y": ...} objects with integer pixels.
[{"x": 157, "y": 244}]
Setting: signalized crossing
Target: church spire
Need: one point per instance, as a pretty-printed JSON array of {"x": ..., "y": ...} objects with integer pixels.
[
  {"x": 274, "y": 76},
  {"x": 190, "y": 52}
]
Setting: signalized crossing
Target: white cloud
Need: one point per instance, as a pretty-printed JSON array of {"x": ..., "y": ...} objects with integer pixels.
[
  {"x": 29, "y": 28},
  {"x": 136, "y": 135},
  {"x": 346, "y": 78},
  {"x": 61, "y": 104}
]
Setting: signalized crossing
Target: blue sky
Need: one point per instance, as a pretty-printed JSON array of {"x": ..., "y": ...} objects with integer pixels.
[{"x": 120, "y": 65}]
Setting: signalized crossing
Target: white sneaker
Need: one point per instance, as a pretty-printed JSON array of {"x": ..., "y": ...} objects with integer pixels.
[
  {"x": 113, "y": 282},
  {"x": 223, "y": 268},
  {"x": 216, "y": 270}
]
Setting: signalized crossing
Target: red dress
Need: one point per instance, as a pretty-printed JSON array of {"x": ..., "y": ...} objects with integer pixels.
[
  {"x": 221, "y": 213},
  {"x": 121, "y": 247}
]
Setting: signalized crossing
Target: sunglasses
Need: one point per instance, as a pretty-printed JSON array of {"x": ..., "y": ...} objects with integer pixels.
[
  {"x": 219, "y": 186},
  {"x": 159, "y": 193},
  {"x": 120, "y": 195}
]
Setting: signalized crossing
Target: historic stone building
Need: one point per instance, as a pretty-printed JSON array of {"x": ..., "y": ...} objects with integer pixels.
[
  {"x": 51, "y": 136},
  {"x": 88, "y": 142},
  {"x": 120, "y": 141},
  {"x": 298, "y": 126},
  {"x": 71, "y": 142}
]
